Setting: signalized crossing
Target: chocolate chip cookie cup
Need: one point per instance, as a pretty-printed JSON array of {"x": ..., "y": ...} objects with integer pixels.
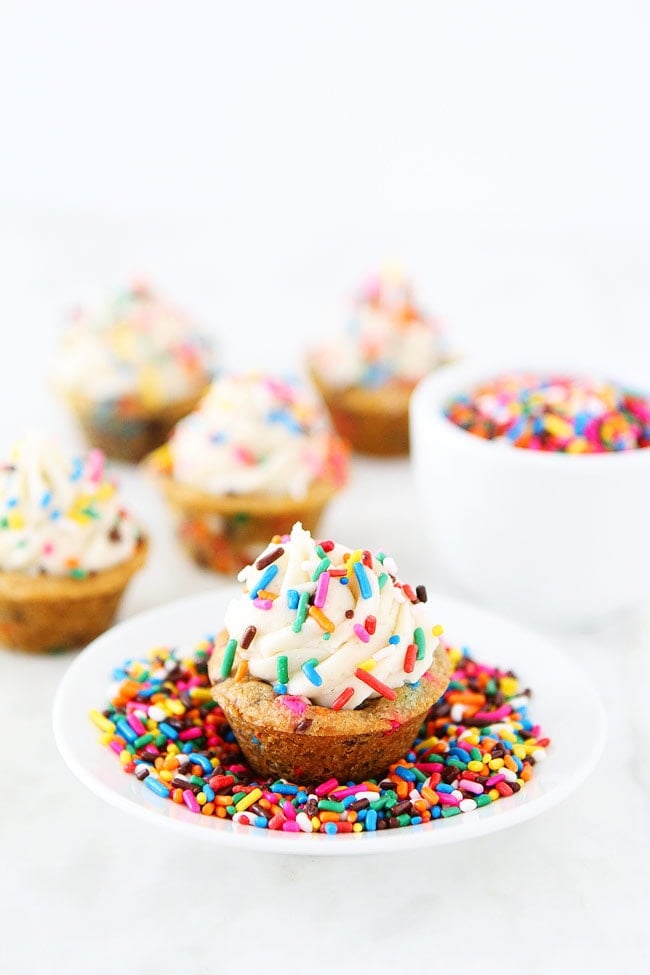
[
  {"x": 68, "y": 547},
  {"x": 367, "y": 373},
  {"x": 328, "y": 664},
  {"x": 289, "y": 737},
  {"x": 41, "y": 614},
  {"x": 130, "y": 369},
  {"x": 374, "y": 421},
  {"x": 255, "y": 457}
]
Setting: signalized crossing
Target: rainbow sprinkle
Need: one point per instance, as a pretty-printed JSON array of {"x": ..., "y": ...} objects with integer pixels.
[
  {"x": 555, "y": 413},
  {"x": 477, "y": 746}
]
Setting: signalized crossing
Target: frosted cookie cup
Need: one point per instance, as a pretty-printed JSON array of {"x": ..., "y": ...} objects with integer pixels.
[
  {"x": 255, "y": 457},
  {"x": 366, "y": 376},
  {"x": 67, "y": 548},
  {"x": 328, "y": 664},
  {"x": 131, "y": 370}
]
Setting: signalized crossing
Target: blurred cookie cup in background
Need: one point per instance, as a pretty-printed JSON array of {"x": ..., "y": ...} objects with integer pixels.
[
  {"x": 366, "y": 374},
  {"x": 68, "y": 547},
  {"x": 130, "y": 370},
  {"x": 255, "y": 456}
]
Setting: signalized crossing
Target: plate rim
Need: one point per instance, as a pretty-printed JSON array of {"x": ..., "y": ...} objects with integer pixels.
[{"x": 229, "y": 835}]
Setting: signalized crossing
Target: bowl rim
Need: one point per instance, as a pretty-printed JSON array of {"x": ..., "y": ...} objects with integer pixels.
[{"x": 435, "y": 390}]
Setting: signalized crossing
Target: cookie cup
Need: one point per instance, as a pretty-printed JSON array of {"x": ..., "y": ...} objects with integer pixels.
[
  {"x": 288, "y": 737},
  {"x": 226, "y": 532},
  {"x": 374, "y": 421},
  {"x": 45, "y": 613},
  {"x": 126, "y": 428}
]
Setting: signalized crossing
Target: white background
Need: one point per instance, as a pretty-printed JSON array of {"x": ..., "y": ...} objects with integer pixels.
[{"x": 255, "y": 160}]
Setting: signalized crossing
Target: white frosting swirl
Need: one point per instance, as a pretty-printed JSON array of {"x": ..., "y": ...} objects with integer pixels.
[
  {"x": 139, "y": 345},
  {"x": 254, "y": 433},
  {"x": 366, "y": 621},
  {"x": 388, "y": 338},
  {"x": 59, "y": 515}
]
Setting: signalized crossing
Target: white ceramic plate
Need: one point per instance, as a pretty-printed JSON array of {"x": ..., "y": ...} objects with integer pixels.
[{"x": 564, "y": 703}]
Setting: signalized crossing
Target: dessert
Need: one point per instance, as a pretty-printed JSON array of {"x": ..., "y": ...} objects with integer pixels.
[
  {"x": 554, "y": 413},
  {"x": 68, "y": 548},
  {"x": 254, "y": 457},
  {"x": 328, "y": 664},
  {"x": 366, "y": 376},
  {"x": 164, "y": 727},
  {"x": 131, "y": 370}
]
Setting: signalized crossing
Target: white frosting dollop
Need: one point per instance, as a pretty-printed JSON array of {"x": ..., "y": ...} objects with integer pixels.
[
  {"x": 254, "y": 433},
  {"x": 60, "y": 515},
  {"x": 388, "y": 338},
  {"x": 358, "y": 615},
  {"x": 137, "y": 345}
]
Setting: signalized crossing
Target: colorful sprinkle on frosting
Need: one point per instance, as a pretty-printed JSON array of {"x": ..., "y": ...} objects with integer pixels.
[
  {"x": 555, "y": 414},
  {"x": 389, "y": 338},
  {"x": 60, "y": 515},
  {"x": 324, "y": 610},
  {"x": 257, "y": 434},
  {"x": 137, "y": 345}
]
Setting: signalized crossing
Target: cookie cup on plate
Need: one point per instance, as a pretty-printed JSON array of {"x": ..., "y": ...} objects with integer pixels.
[{"x": 288, "y": 737}]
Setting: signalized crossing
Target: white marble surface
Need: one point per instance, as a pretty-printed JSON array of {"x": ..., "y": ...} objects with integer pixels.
[{"x": 566, "y": 892}]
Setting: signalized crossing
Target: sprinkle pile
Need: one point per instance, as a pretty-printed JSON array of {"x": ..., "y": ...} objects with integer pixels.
[
  {"x": 555, "y": 413},
  {"x": 477, "y": 746}
]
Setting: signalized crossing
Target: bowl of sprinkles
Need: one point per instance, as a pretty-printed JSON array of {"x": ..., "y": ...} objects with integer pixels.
[
  {"x": 554, "y": 413},
  {"x": 533, "y": 486}
]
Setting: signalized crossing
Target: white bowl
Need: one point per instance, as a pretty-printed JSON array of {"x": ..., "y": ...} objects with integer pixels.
[{"x": 553, "y": 538}]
